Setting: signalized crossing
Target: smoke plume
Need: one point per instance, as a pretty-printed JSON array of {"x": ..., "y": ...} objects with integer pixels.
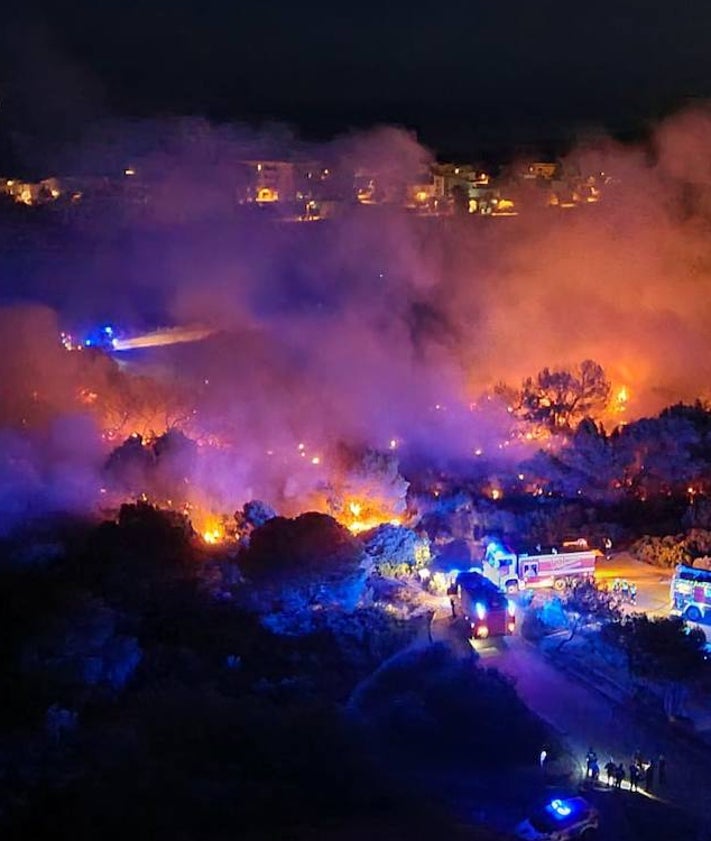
[{"x": 376, "y": 329}]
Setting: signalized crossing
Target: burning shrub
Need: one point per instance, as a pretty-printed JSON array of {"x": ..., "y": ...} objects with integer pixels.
[{"x": 371, "y": 491}]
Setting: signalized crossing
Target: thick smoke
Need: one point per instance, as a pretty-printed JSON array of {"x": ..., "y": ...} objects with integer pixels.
[{"x": 373, "y": 329}]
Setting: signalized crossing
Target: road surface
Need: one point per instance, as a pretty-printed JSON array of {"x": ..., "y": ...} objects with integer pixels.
[
  {"x": 652, "y": 582},
  {"x": 653, "y": 585},
  {"x": 585, "y": 717}
]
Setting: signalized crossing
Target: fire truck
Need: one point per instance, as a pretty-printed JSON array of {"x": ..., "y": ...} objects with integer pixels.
[
  {"x": 553, "y": 567},
  {"x": 691, "y": 592},
  {"x": 486, "y": 609}
]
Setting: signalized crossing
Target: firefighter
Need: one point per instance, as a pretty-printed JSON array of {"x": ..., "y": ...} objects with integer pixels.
[
  {"x": 624, "y": 590},
  {"x": 649, "y": 776},
  {"x": 590, "y": 759},
  {"x": 633, "y": 593},
  {"x": 662, "y": 766},
  {"x": 634, "y": 776}
]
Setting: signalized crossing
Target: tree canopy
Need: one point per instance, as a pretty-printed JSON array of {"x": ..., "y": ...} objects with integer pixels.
[
  {"x": 662, "y": 648},
  {"x": 559, "y": 398}
]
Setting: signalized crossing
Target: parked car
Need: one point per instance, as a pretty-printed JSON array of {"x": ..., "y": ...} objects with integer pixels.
[{"x": 563, "y": 819}]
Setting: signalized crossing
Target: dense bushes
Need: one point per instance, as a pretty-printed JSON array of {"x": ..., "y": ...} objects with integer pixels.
[
  {"x": 660, "y": 551},
  {"x": 429, "y": 703},
  {"x": 141, "y": 706},
  {"x": 673, "y": 549},
  {"x": 299, "y": 566}
]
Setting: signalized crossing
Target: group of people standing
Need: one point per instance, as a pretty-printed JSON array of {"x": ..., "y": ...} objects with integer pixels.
[
  {"x": 625, "y": 591},
  {"x": 641, "y": 772}
]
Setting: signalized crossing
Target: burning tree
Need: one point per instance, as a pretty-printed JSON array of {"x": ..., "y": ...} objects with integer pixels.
[{"x": 557, "y": 399}]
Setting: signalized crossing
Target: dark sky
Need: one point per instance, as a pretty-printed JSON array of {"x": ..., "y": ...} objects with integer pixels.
[{"x": 460, "y": 72}]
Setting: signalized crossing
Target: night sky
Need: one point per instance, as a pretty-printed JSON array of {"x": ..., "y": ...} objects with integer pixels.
[{"x": 462, "y": 74}]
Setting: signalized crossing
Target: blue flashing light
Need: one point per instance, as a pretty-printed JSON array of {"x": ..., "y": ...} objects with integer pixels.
[
  {"x": 560, "y": 808},
  {"x": 87, "y": 343},
  {"x": 109, "y": 330},
  {"x": 496, "y": 552},
  {"x": 480, "y": 610}
]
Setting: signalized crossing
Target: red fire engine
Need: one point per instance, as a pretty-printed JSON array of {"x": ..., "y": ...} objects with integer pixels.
[
  {"x": 485, "y": 607},
  {"x": 553, "y": 568}
]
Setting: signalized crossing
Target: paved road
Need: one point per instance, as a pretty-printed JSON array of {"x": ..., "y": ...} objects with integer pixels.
[
  {"x": 652, "y": 582},
  {"x": 585, "y": 716}
]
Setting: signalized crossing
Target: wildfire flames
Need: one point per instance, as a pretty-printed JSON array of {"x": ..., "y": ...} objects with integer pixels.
[
  {"x": 364, "y": 332},
  {"x": 363, "y": 515}
]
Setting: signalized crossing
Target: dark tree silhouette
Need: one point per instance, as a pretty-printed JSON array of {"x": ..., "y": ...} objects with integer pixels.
[
  {"x": 662, "y": 649},
  {"x": 586, "y": 603},
  {"x": 558, "y": 399}
]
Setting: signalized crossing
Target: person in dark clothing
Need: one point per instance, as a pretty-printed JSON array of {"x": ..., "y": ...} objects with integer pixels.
[
  {"x": 649, "y": 777},
  {"x": 634, "y": 776},
  {"x": 590, "y": 759},
  {"x": 595, "y": 771},
  {"x": 619, "y": 775},
  {"x": 662, "y": 768},
  {"x": 610, "y": 769},
  {"x": 454, "y": 609}
]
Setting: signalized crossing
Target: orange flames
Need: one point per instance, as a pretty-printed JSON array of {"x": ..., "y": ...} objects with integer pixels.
[
  {"x": 359, "y": 515},
  {"x": 209, "y": 526}
]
